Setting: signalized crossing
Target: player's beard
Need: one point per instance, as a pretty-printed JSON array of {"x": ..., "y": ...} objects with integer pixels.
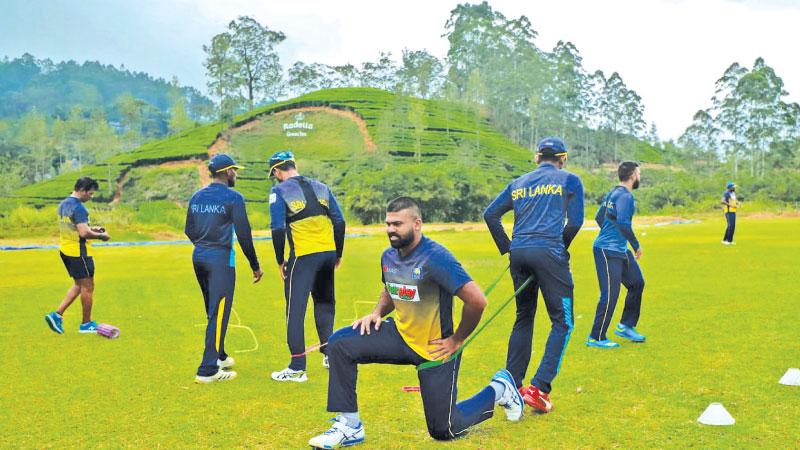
[
  {"x": 404, "y": 241},
  {"x": 636, "y": 184},
  {"x": 231, "y": 182}
]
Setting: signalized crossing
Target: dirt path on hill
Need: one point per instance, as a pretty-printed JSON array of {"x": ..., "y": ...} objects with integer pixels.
[{"x": 222, "y": 142}]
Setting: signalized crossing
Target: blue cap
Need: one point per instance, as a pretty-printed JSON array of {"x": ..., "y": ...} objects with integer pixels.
[
  {"x": 222, "y": 162},
  {"x": 731, "y": 184},
  {"x": 552, "y": 146},
  {"x": 279, "y": 158}
]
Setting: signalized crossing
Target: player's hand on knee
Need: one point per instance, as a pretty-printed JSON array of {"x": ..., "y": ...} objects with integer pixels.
[
  {"x": 365, "y": 323},
  {"x": 282, "y": 270}
]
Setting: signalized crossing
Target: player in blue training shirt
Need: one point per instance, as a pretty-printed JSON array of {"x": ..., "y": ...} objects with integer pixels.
[
  {"x": 76, "y": 253},
  {"x": 420, "y": 278},
  {"x": 214, "y": 213},
  {"x": 616, "y": 264},
  {"x": 305, "y": 212},
  {"x": 541, "y": 200},
  {"x": 729, "y": 205}
]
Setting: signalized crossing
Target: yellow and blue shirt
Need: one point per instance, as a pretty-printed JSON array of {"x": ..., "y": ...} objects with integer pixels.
[
  {"x": 71, "y": 212},
  {"x": 729, "y": 197},
  {"x": 305, "y": 211},
  {"x": 421, "y": 285}
]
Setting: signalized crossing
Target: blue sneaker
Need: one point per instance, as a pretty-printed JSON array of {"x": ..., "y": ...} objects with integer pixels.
[
  {"x": 628, "y": 333},
  {"x": 55, "y": 322},
  {"x": 511, "y": 400},
  {"x": 88, "y": 327},
  {"x": 605, "y": 343}
]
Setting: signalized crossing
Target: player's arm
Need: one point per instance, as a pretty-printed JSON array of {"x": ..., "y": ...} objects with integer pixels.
[
  {"x": 241, "y": 225},
  {"x": 337, "y": 218},
  {"x": 474, "y": 304},
  {"x": 625, "y": 210},
  {"x": 188, "y": 229},
  {"x": 277, "y": 213},
  {"x": 86, "y": 232},
  {"x": 725, "y": 198},
  {"x": 493, "y": 216},
  {"x": 385, "y": 306},
  {"x": 601, "y": 214},
  {"x": 574, "y": 209}
]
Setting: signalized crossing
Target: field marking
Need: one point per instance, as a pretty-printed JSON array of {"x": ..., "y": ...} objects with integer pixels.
[{"x": 238, "y": 324}]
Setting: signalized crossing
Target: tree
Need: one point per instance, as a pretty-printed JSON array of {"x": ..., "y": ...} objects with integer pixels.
[
  {"x": 381, "y": 74},
  {"x": 421, "y": 73},
  {"x": 223, "y": 74},
  {"x": 257, "y": 62},
  {"x": 179, "y": 119}
]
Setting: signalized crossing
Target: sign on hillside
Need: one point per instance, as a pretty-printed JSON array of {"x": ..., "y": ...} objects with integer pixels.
[{"x": 298, "y": 127}]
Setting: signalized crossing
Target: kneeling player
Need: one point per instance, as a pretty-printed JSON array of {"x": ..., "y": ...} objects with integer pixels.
[{"x": 420, "y": 278}]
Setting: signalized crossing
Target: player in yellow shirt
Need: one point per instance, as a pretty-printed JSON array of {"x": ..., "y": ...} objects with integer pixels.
[
  {"x": 729, "y": 205},
  {"x": 76, "y": 253}
]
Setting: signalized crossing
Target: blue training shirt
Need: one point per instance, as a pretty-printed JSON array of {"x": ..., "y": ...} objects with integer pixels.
[
  {"x": 213, "y": 214},
  {"x": 615, "y": 218},
  {"x": 541, "y": 200},
  {"x": 422, "y": 285}
]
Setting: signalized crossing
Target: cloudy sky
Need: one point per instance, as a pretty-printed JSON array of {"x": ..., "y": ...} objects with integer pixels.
[{"x": 669, "y": 51}]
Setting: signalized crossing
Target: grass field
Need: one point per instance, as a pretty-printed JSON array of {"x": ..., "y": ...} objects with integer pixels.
[{"x": 722, "y": 325}]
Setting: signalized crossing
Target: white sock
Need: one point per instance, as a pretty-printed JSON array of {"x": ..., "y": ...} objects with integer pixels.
[
  {"x": 352, "y": 419},
  {"x": 499, "y": 390}
]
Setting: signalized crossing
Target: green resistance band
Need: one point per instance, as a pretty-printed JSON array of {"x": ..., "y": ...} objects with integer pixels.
[{"x": 429, "y": 364}]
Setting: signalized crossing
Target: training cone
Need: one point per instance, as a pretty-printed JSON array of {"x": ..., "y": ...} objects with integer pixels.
[
  {"x": 716, "y": 414},
  {"x": 791, "y": 377}
]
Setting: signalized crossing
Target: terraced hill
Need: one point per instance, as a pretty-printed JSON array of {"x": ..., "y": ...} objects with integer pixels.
[{"x": 370, "y": 145}]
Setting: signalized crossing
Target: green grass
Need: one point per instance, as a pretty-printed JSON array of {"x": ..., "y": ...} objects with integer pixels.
[{"x": 721, "y": 323}]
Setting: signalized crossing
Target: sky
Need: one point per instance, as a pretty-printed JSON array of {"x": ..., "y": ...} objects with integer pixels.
[{"x": 669, "y": 51}]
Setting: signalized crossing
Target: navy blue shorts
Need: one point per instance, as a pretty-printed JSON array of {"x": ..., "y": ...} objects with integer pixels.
[{"x": 78, "y": 267}]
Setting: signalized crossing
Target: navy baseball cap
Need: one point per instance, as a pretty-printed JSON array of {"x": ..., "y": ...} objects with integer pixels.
[
  {"x": 731, "y": 184},
  {"x": 552, "y": 146},
  {"x": 279, "y": 158},
  {"x": 222, "y": 162}
]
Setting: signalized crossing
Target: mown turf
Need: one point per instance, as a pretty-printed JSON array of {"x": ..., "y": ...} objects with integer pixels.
[{"x": 721, "y": 322}]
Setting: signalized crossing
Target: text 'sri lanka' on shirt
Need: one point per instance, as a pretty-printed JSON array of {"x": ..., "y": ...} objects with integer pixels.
[
  {"x": 615, "y": 219},
  {"x": 71, "y": 212},
  {"x": 214, "y": 214},
  {"x": 422, "y": 285},
  {"x": 541, "y": 200}
]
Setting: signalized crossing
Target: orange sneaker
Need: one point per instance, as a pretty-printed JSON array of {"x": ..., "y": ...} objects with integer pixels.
[{"x": 536, "y": 399}]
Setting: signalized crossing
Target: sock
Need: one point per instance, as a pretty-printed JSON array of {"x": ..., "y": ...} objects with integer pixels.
[
  {"x": 499, "y": 390},
  {"x": 352, "y": 419}
]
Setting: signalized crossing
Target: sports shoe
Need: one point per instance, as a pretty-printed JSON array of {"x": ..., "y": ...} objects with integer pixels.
[
  {"x": 605, "y": 343},
  {"x": 511, "y": 400},
  {"x": 221, "y": 375},
  {"x": 536, "y": 399},
  {"x": 325, "y": 362},
  {"x": 226, "y": 363},
  {"x": 55, "y": 322},
  {"x": 288, "y": 374},
  {"x": 88, "y": 327},
  {"x": 726, "y": 243},
  {"x": 339, "y": 435},
  {"x": 628, "y": 333}
]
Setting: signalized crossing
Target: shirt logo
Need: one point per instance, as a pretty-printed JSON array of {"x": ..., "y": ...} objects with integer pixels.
[
  {"x": 208, "y": 209},
  {"x": 416, "y": 274},
  {"x": 535, "y": 191},
  {"x": 273, "y": 197},
  {"x": 403, "y": 292},
  {"x": 387, "y": 269}
]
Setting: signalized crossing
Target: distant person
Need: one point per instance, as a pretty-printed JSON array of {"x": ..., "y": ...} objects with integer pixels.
[
  {"x": 420, "y": 278},
  {"x": 541, "y": 200},
  {"x": 76, "y": 253},
  {"x": 214, "y": 213},
  {"x": 615, "y": 263},
  {"x": 729, "y": 205},
  {"x": 304, "y": 212}
]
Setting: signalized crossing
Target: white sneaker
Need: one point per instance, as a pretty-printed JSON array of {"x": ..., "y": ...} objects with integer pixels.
[
  {"x": 325, "y": 362},
  {"x": 511, "y": 400},
  {"x": 340, "y": 435},
  {"x": 221, "y": 375},
  {"x": 226, "y": 364},
  {"x": 288, "y": 374},
  {"x": 726, "y": 243}
]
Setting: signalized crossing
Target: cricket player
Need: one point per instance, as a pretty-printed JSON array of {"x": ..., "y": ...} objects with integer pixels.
[
  {"x": 730, "y": 204},
  {"x": 615, "y": 263},
  {"x": 420, "y": 278},
  {"x": 538, "y": 249},
  {"x": 304, "y": 212},
  {"x": 214, "y": 213},
  {"x": 76, "y": 254}
]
